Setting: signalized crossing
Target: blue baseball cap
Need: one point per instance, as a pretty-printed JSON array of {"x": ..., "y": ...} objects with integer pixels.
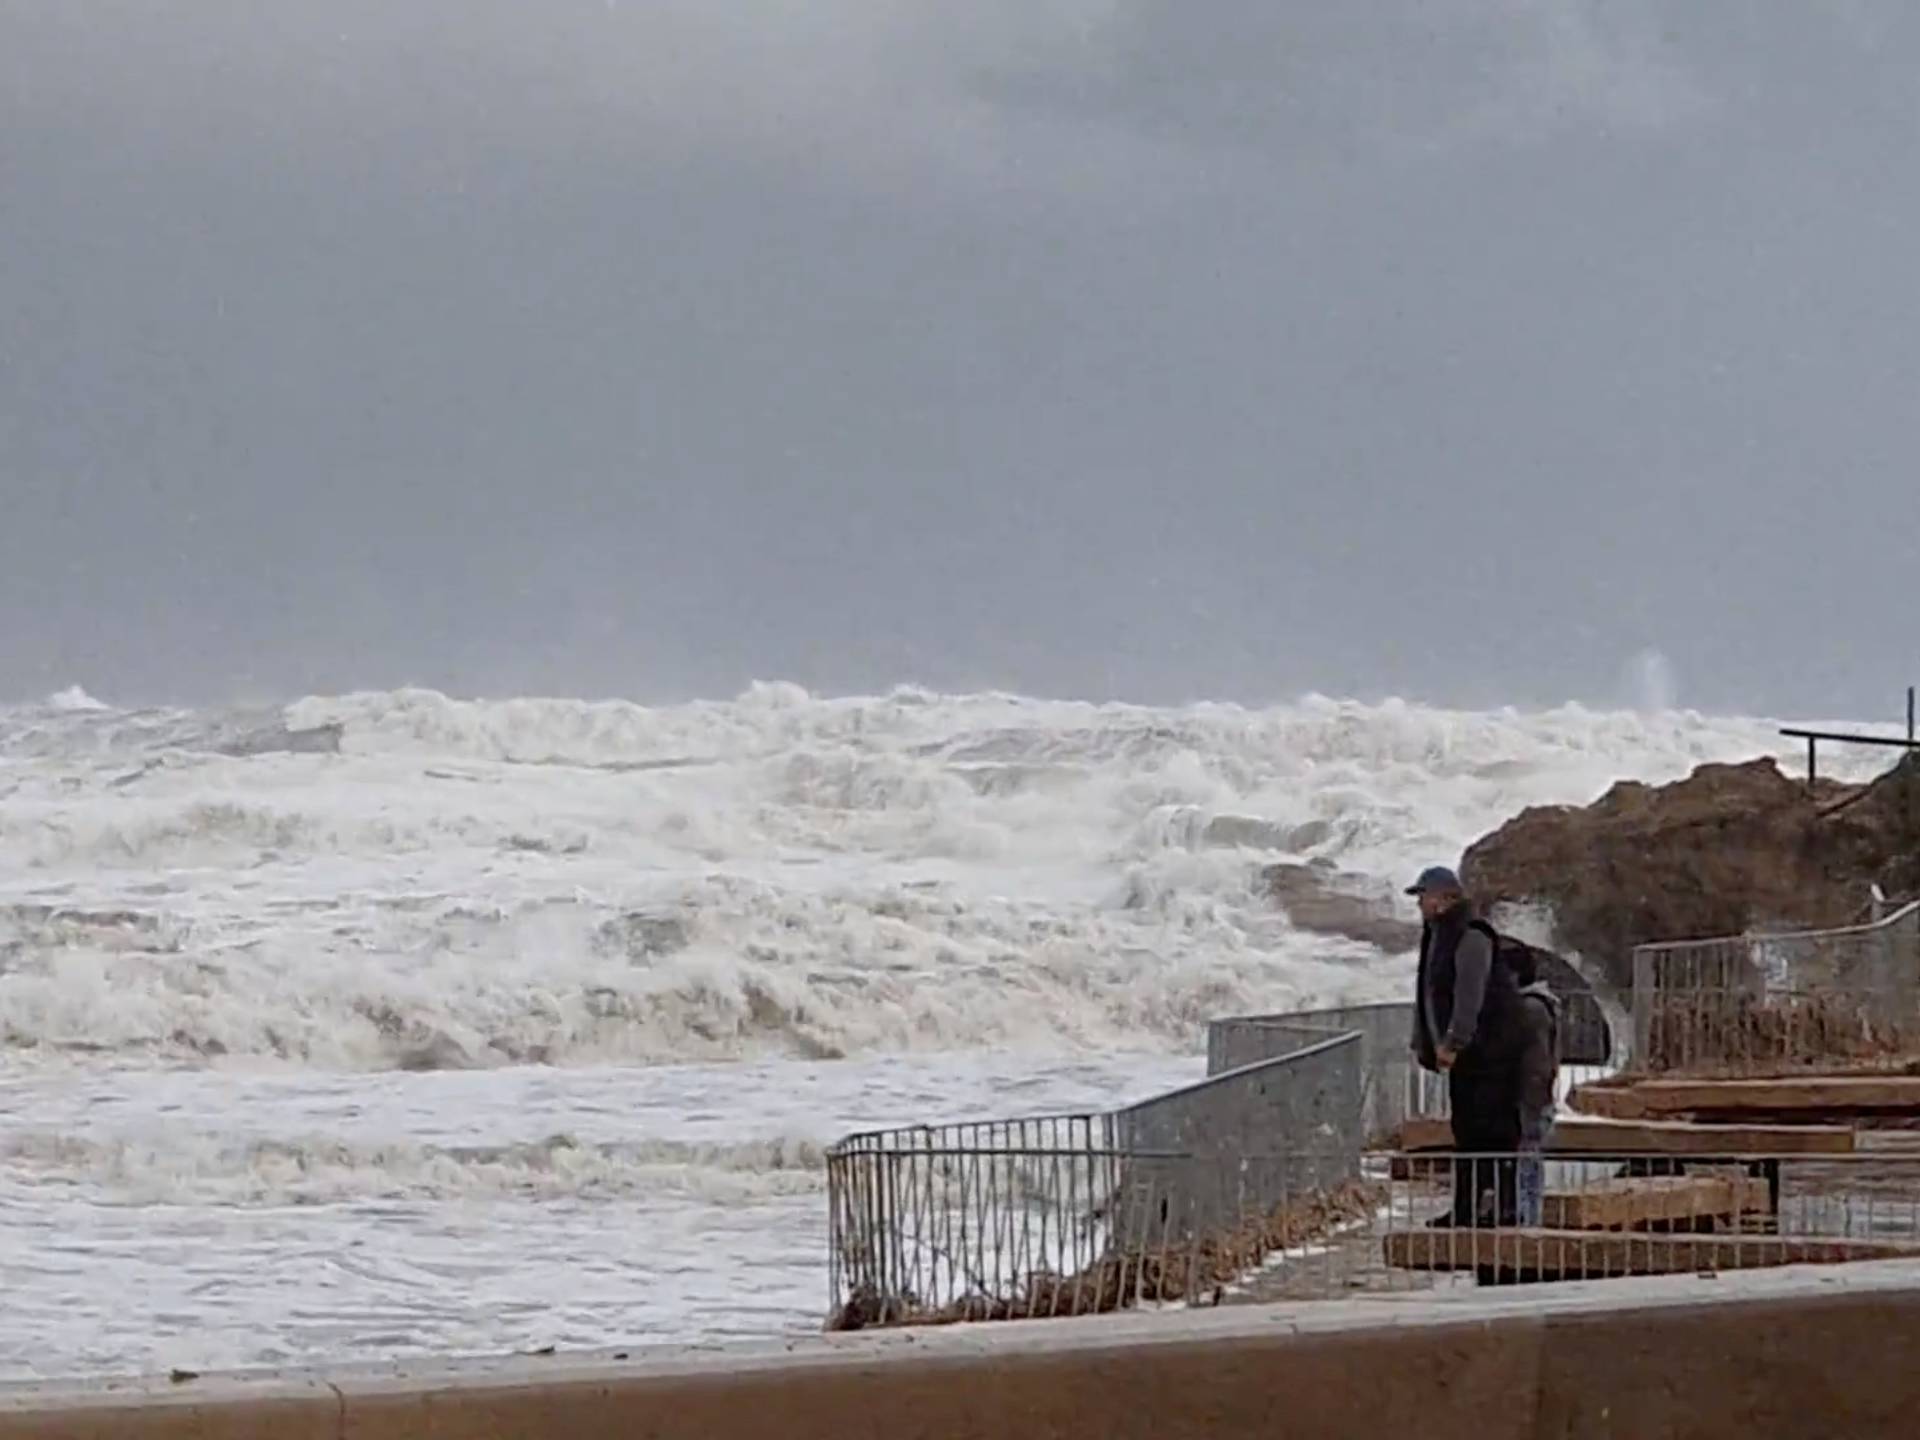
[{"x": 1436, "y": 877}]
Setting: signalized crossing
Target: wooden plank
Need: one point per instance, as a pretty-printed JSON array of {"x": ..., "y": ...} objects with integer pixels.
[
  {"x": 1809, "y": 1094},
  {"x": 1589, "y": 1135},
  {"x": 1593, "y": 1255},
  {"x": 1422, "y": 1132},
  {"x": 1608, "y": 1102},
  {"x": 1584, "y": 1135},
  {"x": 1655, "y": 1200}
]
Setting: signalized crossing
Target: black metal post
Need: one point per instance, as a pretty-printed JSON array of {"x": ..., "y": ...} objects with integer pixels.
[{"x": 1813, "y": 737}]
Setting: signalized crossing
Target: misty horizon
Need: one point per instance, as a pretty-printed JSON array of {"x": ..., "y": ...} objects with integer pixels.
[{"x": 1481, "y": 354}]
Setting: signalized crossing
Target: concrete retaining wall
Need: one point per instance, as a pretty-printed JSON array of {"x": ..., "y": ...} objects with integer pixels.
[{"x": 1814, "y": 1353}]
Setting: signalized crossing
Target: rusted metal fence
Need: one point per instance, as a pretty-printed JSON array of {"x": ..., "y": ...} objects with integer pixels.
[
  {"x": 1758, "y": 1004},
  {"x": 1084, "y": 1213}
]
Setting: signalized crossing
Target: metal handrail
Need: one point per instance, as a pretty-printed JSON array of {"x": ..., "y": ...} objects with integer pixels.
[
  {"x": 1838, "y": 932},
  {"x": 889, "y": 1136},
  {"x": 1017, "y": 1217},
  {"x": 1836, "y": 737}
]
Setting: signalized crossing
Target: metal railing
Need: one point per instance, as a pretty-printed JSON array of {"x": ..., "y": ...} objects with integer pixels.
[
  {"x": 1754, "y": 1004},
  {"x": 1909, "y": 746},
  {"x": 1079, "y": 1214},
  {"x": 972, "y": 1220},
  {"x": 1598, "y": 1216},
  {"x": 1259, "y": 1166},
  {"x": 1607, "y": 1216},
  {"x": 1304, "y": 1102},
  {"x": 1301, "y": 1235},
  {"x": 1393, "y": 1088}
]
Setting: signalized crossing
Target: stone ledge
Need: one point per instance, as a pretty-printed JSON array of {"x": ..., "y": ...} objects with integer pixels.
[{"x": 1826, "y": 1352}]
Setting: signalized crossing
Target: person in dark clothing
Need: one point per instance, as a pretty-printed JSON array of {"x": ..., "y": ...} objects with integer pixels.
[
  {"x": 1537, "y": 1069},
  {"x": 1466, "y": 1024}
]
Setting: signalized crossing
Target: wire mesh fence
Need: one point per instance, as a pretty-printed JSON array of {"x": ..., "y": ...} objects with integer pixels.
[
  {"x": 1759, "y": 1004},
  {"x": 1205, "y": 1138},
  {"x": 1132, "y": 1250},
  {"x": 1079, "y": 1214},
  {"x": 1394, "y": 1227},
  {"x": 946, "y": 1221},
  {"x": 1393, "y": 1087}
]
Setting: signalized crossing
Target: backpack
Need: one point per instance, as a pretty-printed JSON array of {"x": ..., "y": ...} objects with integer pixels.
[
  {"x": 1519, "y": 958},
  {"x": 1515, "y": 956}
]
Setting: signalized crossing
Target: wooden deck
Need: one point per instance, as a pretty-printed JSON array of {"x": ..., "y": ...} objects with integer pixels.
[
  {"x": 1575, "y": 1135},
  {"x": 1548, "y": 1255},
  {"x": 1811, "y": 1098}
]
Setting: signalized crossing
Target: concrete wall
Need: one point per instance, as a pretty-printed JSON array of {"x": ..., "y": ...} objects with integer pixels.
[{"x": 1819, "y": 1354}]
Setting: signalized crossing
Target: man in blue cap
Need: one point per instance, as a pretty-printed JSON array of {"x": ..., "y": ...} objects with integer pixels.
[{"x": 1465, "y": 1026}]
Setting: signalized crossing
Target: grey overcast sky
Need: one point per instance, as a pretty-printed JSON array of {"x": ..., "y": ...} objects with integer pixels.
[{"x": 1457, "y": 349}]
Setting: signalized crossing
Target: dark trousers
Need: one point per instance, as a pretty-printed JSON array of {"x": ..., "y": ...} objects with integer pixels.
[{"x": 1486, "y": 1122}]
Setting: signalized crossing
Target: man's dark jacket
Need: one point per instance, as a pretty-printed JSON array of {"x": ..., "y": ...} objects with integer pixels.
[{"x": 1492, "y": 1033}]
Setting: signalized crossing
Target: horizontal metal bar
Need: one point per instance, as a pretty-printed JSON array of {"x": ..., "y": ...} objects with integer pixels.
[
  {"x": 1307, "y": 1018},
  {"x": 1335, "y": 1039},
  {"x": 1031, "y": 1152},
  {"x": 1668, "y": 947},
  {"x": 1839, "y": 739},
  {"x": 871, "y": 1137}
]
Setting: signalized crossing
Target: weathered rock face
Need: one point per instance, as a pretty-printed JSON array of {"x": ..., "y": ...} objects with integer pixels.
[
  {"x": 1327, "y": 901},
  {"x": 1730, "y": 848}
]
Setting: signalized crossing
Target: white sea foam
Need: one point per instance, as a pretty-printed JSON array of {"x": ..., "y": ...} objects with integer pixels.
[
  {"x": 482, "y": 884},
  {"x": 402, "y": 906},
  {"x": 194, "y": 1169},
  {"x": 75, "y": 699}
]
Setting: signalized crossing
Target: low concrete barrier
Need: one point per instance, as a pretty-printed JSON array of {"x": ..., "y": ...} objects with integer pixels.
[{"x": 1780, "y": 1354}]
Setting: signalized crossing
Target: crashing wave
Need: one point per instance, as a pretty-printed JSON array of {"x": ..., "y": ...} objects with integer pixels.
[
  {"x": 444, "y": 884},
  {"x": 74, "y": 700},
  {"x": 185, "y": 1167}
]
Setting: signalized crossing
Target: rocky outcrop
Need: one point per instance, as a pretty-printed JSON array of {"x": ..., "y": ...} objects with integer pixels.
[
  {"x": 1328, "y": 901},
  {"x": 1730, "y": 848},
  {"x": 284, "y": 740}
]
